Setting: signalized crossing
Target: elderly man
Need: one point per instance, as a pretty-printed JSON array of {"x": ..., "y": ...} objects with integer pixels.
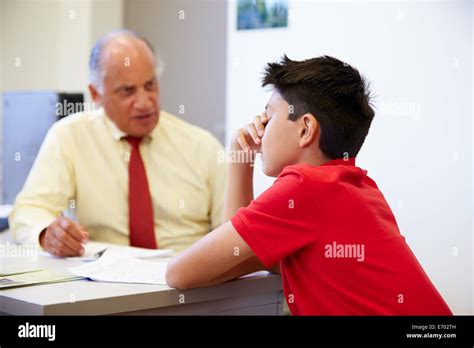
[{"x": 132, "y": 173}]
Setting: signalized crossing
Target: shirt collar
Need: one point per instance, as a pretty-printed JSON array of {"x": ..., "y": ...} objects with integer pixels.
[
  {"x": 341, "y": 161},
  {"x": 118, "y": 134}
]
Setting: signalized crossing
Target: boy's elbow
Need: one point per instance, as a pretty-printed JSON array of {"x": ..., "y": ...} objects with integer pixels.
[{"x": 174, "y": 278}]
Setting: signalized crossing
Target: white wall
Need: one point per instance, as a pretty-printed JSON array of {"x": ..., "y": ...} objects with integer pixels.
[
  {"x": 52, "y": 39},
  {"x": 192, "y": 45},
  {"x": 418, "y": 57},
  {"x": 45, "y": 44}
]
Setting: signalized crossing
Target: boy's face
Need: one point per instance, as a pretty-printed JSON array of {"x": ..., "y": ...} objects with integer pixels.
[{"x": 280, "y": 142}]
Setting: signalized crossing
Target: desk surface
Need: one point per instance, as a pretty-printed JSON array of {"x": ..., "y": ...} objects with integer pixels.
[{"x": 259, "y": 293}]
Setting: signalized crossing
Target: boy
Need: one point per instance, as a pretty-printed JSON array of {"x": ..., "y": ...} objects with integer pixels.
[{"x": 323, "y": 222}]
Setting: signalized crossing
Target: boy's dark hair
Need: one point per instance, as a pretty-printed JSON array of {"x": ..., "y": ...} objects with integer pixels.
[{"x": 333, "y": 92}]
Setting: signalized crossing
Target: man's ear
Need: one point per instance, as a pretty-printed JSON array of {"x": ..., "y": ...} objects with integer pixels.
[
  {"x": 309, "y": 129},
  {"x": 96, "y": 96}
]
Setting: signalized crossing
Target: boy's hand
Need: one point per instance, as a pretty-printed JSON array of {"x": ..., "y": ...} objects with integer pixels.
[
  {"x": 249, "y": 138},
  {"x": 239, "y": 186}
]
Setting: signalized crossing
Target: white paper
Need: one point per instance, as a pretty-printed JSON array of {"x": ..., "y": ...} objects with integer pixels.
[
  {"x": 122, "y": 268},
  {"x": 91, "y": 248},
  {"x": 34, "y": 278},
  {"x": 11, "y": 268}
]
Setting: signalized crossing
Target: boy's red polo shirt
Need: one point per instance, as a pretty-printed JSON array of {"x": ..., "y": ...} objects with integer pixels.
[{"x": 340, "y": 249}]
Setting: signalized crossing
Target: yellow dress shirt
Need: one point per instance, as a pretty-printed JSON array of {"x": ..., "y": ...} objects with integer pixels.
[{"x": 82, "y": 167}]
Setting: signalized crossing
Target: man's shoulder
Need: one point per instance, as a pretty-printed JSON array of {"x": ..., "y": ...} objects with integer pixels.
[
  {"x": 76, "y": 121},
  {"x": 184, "y": 130}
]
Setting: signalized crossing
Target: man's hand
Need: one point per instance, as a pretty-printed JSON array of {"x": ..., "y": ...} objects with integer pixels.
[
  {"x": 249, "y": 138},
  {"x": 63, "y": 237}
]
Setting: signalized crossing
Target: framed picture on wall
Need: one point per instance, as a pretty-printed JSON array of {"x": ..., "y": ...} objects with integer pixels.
[{"x": 258, "y": 14}]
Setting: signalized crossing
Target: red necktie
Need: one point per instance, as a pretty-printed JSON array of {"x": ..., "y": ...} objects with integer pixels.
[{"x": 140, "y": 208}]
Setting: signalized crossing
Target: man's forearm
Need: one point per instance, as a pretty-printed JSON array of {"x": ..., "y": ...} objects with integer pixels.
[
  {"x": 239, "y": 187},
  {"x": 27, "y": 222}
]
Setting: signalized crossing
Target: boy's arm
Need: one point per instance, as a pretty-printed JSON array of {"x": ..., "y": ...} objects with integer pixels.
[
  {"x": 245, "y": 145},
  {"x": 222, "y": 254},
  {"x": 219, "y": 256},
  {"x": 239, "y": 186}
]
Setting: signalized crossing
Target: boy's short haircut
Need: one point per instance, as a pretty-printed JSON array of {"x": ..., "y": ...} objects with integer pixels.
[{"x": 333, "y": 92}]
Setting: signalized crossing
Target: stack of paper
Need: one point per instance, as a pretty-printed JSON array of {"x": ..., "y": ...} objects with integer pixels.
[
  {"x": 118, "y": 267},
  {"x": 35, "y": 278},
  {"x": 92, "y": 248},
  {"x": 11, "y": 269}
]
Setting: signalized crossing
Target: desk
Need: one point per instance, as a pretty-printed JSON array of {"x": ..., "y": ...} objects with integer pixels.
[{"x": 257, "y": 294}]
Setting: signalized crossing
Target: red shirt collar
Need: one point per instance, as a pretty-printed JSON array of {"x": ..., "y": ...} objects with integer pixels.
[{"x": 341, "y": 161}]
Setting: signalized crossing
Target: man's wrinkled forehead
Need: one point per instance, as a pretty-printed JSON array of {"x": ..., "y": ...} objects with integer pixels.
[
  {"x": 140, "y": 70},
  {"x": 125, "y": 52}
]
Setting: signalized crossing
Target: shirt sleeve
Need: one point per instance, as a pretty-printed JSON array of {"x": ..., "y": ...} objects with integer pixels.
[
  {"x": 217, "y": 179},
  {"x": 46, "y": 192},
  {"x": 281, "y": 220}
]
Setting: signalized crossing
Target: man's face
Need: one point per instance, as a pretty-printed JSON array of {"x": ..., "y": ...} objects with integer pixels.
[
  {"x": 130, "y": 95},
  {"x": 280, "y": 142}
]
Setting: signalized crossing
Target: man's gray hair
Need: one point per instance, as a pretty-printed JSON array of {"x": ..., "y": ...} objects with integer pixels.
[{"x": 96, "y": 71}]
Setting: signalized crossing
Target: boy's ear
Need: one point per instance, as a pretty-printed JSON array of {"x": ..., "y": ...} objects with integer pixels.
[{"x": 309, "y": 127}]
